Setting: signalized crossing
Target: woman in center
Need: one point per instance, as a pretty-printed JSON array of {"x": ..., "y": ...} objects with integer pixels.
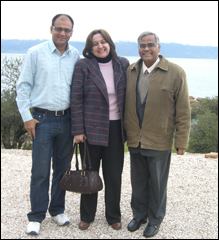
[{"x": 97, "y": 113}]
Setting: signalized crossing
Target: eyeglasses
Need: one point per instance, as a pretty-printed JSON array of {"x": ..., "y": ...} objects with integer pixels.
[
  {"x": 59, "y": 29},
  {"x": 149, "y": 45}
]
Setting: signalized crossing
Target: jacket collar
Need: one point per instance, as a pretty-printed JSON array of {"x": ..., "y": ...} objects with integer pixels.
[
  {"x": 136, "y": 65},
  {"x": 163, "y": 64}
]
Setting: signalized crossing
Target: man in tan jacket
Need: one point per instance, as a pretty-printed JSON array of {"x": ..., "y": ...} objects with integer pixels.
[{"x": 157, "y": 106}]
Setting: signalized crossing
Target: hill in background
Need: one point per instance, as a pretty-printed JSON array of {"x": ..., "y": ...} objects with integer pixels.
[{"x": 123, "y": 48}]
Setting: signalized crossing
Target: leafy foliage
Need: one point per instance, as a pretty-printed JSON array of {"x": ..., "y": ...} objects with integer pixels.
[
  {"x": 204, "y": 105},
  {"x": 12, "y": 127},
  {"x": 204, "y": 129}
]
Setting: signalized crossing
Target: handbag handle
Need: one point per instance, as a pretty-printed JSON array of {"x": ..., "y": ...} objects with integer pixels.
[
  {"x": 88, "y": 156},
  {"x": 72, "y": 153},
  {"x": 84, "y": 158}
]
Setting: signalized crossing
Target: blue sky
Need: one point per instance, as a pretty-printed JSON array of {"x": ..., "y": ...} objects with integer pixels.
[{"x": 185, "y": 22}]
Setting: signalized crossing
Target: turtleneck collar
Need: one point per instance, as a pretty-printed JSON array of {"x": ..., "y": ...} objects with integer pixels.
[{"x": 104, "y": 60}]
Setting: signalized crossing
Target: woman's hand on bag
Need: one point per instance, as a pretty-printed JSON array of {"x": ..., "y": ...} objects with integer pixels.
[{"x": 79, "y": 138}]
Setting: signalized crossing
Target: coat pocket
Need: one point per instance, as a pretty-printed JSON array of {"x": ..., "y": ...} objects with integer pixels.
[{"x": 168, "y": 89}]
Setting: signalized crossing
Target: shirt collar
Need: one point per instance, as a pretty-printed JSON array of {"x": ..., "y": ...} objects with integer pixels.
[
  {"x": 53, "y": 47},
  {"x": 150, "y": 69}
]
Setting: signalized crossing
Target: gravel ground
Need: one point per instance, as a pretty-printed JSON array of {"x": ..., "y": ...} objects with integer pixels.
[{"x": 192, "y": 204}]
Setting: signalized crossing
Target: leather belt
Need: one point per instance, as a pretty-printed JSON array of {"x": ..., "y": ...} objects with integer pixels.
[{"x": 54, "y": 113}]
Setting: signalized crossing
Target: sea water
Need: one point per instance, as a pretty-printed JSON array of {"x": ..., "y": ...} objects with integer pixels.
[{"x": 202, "y": 74}]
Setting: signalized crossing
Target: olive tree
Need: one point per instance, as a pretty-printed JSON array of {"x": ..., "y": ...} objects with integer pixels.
[
  {"x": 13, "y": 133},
  {"x": 204, "y": 128},
  {"x": 204, "y": 134}
]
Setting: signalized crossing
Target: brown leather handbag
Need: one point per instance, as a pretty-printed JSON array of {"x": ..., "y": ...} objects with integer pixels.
[{"x": 85, "y": 181}]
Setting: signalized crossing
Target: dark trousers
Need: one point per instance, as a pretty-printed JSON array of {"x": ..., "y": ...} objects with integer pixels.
[
  {"x": 112, "y": 164},
  {"x": 149, "y": 177}
]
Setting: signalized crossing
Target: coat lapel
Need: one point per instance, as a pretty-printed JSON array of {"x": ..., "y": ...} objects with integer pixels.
[
  {"x": 97, "y": 77},
  {"x": 117, "y": 71}
]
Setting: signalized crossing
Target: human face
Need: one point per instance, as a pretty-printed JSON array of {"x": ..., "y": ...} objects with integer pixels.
[
  {"x": 100, "y": 47},
  {"x": 149, "y": 55},
  {"x": 61, "y": 39}
]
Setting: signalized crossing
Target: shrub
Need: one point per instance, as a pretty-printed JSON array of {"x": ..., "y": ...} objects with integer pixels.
[
  {"x": 12, "y": 127},
  {"x": 27, "y": 146},
  {"x": 206, "y": 104},
  {"x": 204, "y": 133}
]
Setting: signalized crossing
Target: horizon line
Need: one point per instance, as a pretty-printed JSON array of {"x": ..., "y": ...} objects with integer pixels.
[{"x": 114, "y": 42}]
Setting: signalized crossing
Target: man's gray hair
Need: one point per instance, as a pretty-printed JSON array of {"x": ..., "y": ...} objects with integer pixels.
[{"x": 146, "y": 34}]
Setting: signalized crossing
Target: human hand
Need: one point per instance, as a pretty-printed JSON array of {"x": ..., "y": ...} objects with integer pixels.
[
  {"x": 79, "y": 138},
  {"x": 180, "y": 151},
  {"x": 30, "y": 127}
]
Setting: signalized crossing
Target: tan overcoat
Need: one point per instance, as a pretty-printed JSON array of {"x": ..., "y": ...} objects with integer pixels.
[{"x": 167, "y": 109}]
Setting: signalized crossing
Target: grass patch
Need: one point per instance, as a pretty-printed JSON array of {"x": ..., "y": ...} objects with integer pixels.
[{"x": 126, "y": 147}]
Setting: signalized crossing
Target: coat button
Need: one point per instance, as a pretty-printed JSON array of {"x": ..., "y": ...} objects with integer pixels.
[{"x": 95, "y": 125}]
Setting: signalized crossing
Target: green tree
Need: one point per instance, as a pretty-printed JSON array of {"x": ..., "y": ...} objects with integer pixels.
[
  {"x": 206, "y": 104},
  {"x": 204, "y": 134},
  {"x": 204, "y": 127},
  {"x": 12, "y": 127}
]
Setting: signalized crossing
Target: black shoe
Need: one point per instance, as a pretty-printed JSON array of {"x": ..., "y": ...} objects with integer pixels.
[
  {"x": 135, "y": 224},
  {"x": 151, "y": 230}
]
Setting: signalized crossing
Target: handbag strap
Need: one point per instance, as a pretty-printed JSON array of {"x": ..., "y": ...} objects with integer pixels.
[
  {"x": 72, "y": 153},
  {"x": 86, "y": 152}
]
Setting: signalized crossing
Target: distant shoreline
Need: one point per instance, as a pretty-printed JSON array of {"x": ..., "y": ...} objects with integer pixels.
[
  {"x": 23, "y": 53},
  {"x": 123, "y": 48}
]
